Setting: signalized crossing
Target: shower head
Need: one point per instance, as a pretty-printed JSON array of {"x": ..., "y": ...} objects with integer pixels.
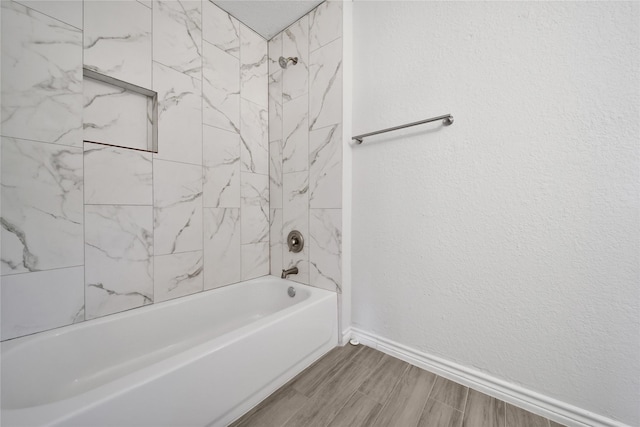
[{"x": 285, "y": 61}]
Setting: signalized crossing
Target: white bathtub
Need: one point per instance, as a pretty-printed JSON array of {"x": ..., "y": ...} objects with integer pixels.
[{"x": 202, "y": 360}]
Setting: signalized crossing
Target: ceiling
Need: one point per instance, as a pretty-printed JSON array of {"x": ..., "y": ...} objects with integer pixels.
[{"x": 267, "y": 17}]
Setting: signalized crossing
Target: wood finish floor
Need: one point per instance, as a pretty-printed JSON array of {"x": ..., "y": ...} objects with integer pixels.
[{"x": 359, "y": 386}]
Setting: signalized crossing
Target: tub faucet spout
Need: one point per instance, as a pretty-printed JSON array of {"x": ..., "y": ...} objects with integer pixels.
[{"x": 292, "y": 270}]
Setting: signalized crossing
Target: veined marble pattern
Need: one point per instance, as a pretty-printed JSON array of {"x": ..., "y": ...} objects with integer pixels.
[
  {"x": 115, "y": 116},
  {"x": 276, "y": 241},
  {"x": 179, "y": 115},
  {"x": 148, "y": 3},
  {"x": 117, "y": 40},
  {"x": 325, "y": 167},
  {"x": 177, "y": 275},
  {"x": 253, "y": 67},
  {"x": 41, "y": 81},
  {"x": 300, "y": 260},
  {"x": 254, "y": 152},
  {"x": 295, "y": 147},
  {"x": 325, "y": 248},
  {"x": 275, "y": 175},
  {"x": 295, "y": 42},
  {"x": 221, "y": 151},
  {"x": 275, "y": 106},
  {"x": 35, "y": 302},
  {"x": 220, "y": 88},
  {"x": 178, "y": 207},
  {"x": 296, "y": 217},
  {"x": 177, "y": 35},
  {"x": 255, "y": 208},
  {"x": 255, "y": 260},
  {"x": 325, "y": 24},
  {"x": 221, "y": 247},
  {"x": 117, "y": 176},
  {"x": 296, "y": 202},
  {"x": 220, "y": 29},
  {"x": 42, "y": 206},
  {"x": 119, "y": 258},
  {"x": 275, "y": 52},
  {"x": 325, "y": 85},
  {"x": 67, "y": 11}
]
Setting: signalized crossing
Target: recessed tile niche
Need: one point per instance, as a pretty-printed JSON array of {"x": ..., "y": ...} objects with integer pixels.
[{"x": 119, "y": 113}]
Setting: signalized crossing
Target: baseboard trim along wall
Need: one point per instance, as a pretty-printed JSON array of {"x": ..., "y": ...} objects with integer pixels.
[
  {"x": 346, "y": 336},
  {"x": 537, "y": 403}
]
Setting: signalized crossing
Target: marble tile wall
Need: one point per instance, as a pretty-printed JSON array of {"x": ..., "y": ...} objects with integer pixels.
[
  {"x": 90, "y": 229},
  {"x": 305, "y": 147}
]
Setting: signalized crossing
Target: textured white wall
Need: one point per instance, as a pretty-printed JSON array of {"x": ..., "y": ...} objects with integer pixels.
[{"x": 508, "y": 242}]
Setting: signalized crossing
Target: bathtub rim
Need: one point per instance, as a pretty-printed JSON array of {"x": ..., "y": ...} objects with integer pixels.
[
  {"x": 61, "y": 410},
  {"x": 8, "y": 344}
]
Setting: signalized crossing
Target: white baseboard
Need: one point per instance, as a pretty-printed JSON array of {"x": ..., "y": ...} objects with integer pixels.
[
  {"x": 346, "y": 336},
  {"x": 516, "y": 395}
]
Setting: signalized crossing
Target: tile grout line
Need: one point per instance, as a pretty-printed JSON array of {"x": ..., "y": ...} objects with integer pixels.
[
  {"x": 356, "y": 389},
  {"x": 341, "y": 407},
  {"x": 466, "y": 401},
  {"x": 84, "y": 196},
  {"x": 240, "y": 142},
  {"x": 386, "y": 403},
  {"x": 424, "y": 405},
  {"x": 25, "y": 4},
  {"x": 202, "y": 171},
  {"x": 308, "y": 130},
  {"x": 298, "y": 410},
  {"x": 153, "y": 188}
]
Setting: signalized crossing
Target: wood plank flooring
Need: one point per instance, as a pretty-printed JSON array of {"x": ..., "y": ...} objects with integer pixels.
[{"x": 355, "y": 386}]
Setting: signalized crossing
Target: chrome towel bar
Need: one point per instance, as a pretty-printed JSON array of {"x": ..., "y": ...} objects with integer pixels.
[{"x": 447, "y": 119}]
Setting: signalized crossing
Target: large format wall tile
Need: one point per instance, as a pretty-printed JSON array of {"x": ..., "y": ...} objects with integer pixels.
[
  {"x": 117, "y": 176},
  {"x": 117, "y": 40},
  {"x": 177, "y": 35},
  {"x": 221, "y": 151},
  {"x": 115, "y": 116},
  {"x": 296, "y": 217},
  {"x": 35, "y": 302},
  {"x": 325, "y": 24},
  {"x": 254, "y": 208},
  {"x": 42, "y": 213},
  {"x": 220, "y": 29},
  {"x": 177, "y": 189},
  {"x": 67, "y": 11},
  {"x": 148, "y": 237},
  {"x": 177, "y": 275},
  {"x": 253, "y": 67},
  {"x": 255, "y": 260},
  {"x": 275, "y": 52},
  {"x": 220, "y": 89},
  {"x": 325, "y": 167},
  {"x": 276, "y": 241},
  {"x": 325, "y": 248},
  {"x": 119, "y": 258},
  {"x": 275, "y": 174},
  {"x": 179, "y": 115},
  {"x": 221, "y": 247},
  {"x": 41, "y": 82},
  {"x": 325, "y": 85},
  {"x": 275, "y": 106},
  {"x": 254, "y": 152},
  {"x": 295, "y": 43},
  {"x": 295, "y": 146}
]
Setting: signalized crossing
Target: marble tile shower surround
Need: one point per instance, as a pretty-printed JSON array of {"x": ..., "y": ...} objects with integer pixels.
[
  {"x": 305, "y": 147},
  {"x": 90, "y": 229},
  {"x": 246, "y": 150}
]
